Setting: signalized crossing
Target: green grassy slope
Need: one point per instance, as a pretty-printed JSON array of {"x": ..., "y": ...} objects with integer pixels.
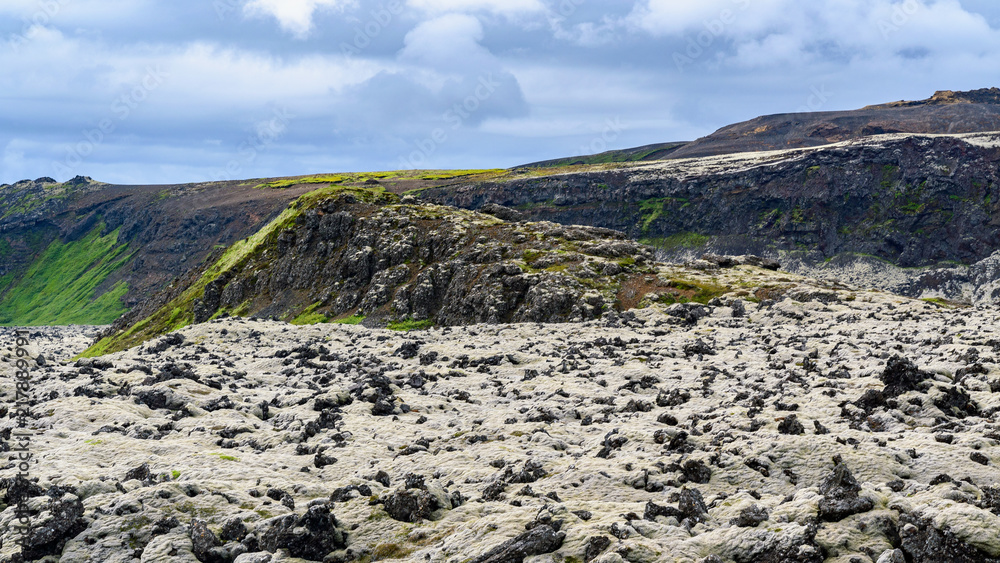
[
  {"x": 179, "y": 312},
  {"x": 59, "y": 288}
]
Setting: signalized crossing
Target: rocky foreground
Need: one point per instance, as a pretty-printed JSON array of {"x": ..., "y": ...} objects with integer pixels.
[{"x": 785, "y": 421}]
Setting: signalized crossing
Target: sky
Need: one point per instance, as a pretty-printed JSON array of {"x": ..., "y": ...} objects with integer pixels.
[{"x": 170, "y": 91}]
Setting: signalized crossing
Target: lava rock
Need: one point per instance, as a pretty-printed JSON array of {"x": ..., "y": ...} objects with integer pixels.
[
  {"x": 791, "y": 426},
  {"x": 310, "y": 536},
  {"x": 923, "y": 543},
  {"x": 750, "y": 517},
  {"x": 411, "y": 505},
  {"x": 901, "y": 375},
  {"x": 840, "y": 494},
  {"x": 696, "y": 471},
  {"x": 595, "y": 546},
  {"x": 204, "y": 543},
  {"x": 61, "y": 520},
  {"x": 141, "y": 473},
  {"x": 536, "y": 541},
  {"x": 692, "y": 505}
]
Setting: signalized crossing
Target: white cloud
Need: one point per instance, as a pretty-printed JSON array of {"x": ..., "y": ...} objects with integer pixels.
[
  {"x": 507, "y": 7},
  {"x": 754, "y": 33},
  {"x": 295, "y": 16},
  {"x": 449, "y": 43}
]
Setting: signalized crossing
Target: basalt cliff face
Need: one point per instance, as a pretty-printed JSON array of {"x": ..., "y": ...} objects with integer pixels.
[{"x": 909, "y": 200}]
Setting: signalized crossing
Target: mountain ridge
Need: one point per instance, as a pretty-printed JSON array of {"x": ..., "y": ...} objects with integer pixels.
[{"x": 935, "y": 198}]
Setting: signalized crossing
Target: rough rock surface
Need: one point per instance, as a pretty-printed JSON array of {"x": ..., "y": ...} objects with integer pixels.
[{"x": 202, "y": 445}]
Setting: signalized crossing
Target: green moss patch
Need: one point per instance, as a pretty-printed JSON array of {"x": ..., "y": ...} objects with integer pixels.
[
  {"x": 309, "y": 316},
  {"x": 651, "y": 210},
  {"x": 677, "y": 241},
  {"x": 450, "y": 174},
  {"x": 289, "y": 182},
  {"x": 945, "y": 303},
  {"x": 410, "y": 324},
  {"x": 60, "y": 286},
  {"x": 352, "y": 320},
  {"x": 697, "y": 292}
]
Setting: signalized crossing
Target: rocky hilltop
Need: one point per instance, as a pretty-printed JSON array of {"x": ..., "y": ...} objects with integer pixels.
[
  {"x": 353, "y": 255},
  {"x": 945, "y": 112},
  {"x": 86, "y": 252},
  {"x": 787, "y": 420}
]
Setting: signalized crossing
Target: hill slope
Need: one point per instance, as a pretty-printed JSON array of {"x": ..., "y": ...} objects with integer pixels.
[
  {"x": 86, "y": 251},
  {"x": 361, "y": 255},
  {"x": 944, "y": 112}
]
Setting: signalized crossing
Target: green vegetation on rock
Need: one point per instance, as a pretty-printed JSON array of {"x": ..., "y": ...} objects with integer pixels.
[
  {"x": 651, "y": 210},
  {"x": 410, "y": 324},
  {"x": 179, "y": 312},
  {"x": 694, "y": 291},
  {"x": 60, "y": 286},
  {"x": 352, "y": 320},
  {"x": 677, "y": 241},
  {"x": 288, "y": 182},
  {"x": 349, "y": 178},
  {"x": 309, "y": 316}
]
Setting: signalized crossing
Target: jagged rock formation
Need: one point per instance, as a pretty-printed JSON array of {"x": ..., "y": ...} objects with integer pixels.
[{"x": 359, "y": 254}]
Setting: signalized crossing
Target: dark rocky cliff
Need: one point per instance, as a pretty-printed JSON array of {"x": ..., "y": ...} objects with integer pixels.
[
  {"x": 911, "y": 200},
  {"x": 361, "y": 255}
]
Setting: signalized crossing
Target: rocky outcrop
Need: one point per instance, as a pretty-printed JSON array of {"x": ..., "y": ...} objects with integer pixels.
[
  {"x": 866, "y": 212},
  {"x": 364, "y": 256}
]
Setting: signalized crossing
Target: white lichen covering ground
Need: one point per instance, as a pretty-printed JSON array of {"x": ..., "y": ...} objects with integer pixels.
[{"x": 466, "y": 403}]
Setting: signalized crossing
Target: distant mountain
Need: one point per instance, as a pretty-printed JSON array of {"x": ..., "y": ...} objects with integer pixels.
[
  {"x": 657, "y": 151},
  {"x": 943, "y": 113}
]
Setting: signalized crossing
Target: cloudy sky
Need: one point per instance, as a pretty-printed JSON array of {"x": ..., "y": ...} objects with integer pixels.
[{"x": 160, "y": 91}]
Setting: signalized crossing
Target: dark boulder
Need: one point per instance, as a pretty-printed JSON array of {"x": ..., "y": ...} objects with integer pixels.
[
  {"x": 840, "y": 494},
  {"x": 536, "y": 541}
]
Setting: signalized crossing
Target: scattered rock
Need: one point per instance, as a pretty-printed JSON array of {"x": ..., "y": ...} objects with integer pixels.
[{"x": 840, "y": 494}]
